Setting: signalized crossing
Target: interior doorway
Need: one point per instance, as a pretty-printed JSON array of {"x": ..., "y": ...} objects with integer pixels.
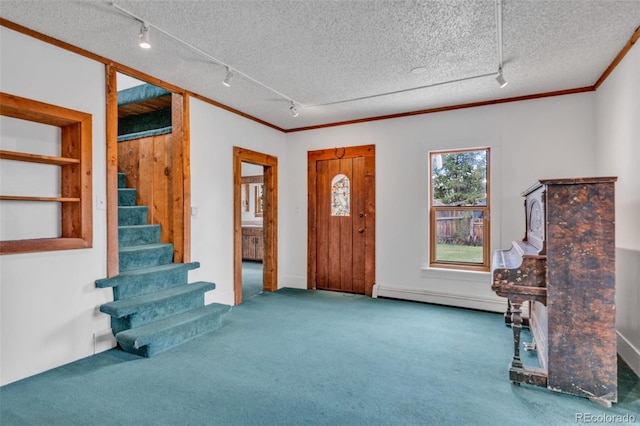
[
  {"x": 341, "y": 227},
  {"x": 256, "y": 242},
  {"x": 169, "y": 192},
  {"x": 252, "y": 214}
]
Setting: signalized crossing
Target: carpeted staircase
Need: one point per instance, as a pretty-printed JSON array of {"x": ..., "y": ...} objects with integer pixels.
[{"x": 154, "y": 307}]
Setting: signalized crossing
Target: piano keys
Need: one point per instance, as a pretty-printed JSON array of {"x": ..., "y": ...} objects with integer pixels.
[{"x": 564, "y": 269}]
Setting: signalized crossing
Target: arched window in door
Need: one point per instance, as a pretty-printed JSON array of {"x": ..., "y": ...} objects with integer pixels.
[{"x": 340, "y": 196}]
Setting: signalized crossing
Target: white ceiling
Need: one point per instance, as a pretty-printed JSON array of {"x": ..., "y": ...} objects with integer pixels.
[{"x": 332, "y": 51}]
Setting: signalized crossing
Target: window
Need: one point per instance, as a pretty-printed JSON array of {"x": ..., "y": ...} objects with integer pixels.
[
  {"x": 259, "y": 200},
  {"x": 253, "y": 184},
  {"x": 459, "y": 209},
  {"x": 340, "y": 196},
  {"x": 58, "y": 193}
]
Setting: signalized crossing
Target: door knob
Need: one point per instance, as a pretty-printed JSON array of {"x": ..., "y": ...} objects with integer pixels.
[{"x": 361, "y": 230}]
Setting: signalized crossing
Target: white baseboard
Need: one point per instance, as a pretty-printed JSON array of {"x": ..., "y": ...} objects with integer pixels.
[
  {"x": 442, "y": 298},
  {"x": 629, "y": 353}
]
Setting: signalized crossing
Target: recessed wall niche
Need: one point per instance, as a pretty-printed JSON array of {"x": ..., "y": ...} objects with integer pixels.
[{"x": 46, "y": 192}]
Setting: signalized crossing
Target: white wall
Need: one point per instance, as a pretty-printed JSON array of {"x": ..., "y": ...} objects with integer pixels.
[
  {"x": 618, "y": 154},
  {"x": 214, "y": 133},
  {"x": 544, "y": 138},
  {"x": 48, "y": 300}
]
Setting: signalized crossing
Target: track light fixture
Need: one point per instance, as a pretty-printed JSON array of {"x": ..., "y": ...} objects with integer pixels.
[
  {"x": 293, "y": 109},
  {"x": 144, "y": 36},
  {"x": 500, "y": 79},
  {"x": 228, "y": 77}
]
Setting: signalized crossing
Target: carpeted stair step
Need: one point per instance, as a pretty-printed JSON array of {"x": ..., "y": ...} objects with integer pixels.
[
  {"x": 143, "y": 256},
  {"x": 122, "y": 180},
  {"x": 136, "y": 311},
  {"x": 127, "y": 196},
  {"x": 156, "y": 337},
  {"x": 154, "y": 307},
  {"x": 147, "y": 280},
  {"x": 135, "y": 235},
  {"x": 132, "y": 215}
]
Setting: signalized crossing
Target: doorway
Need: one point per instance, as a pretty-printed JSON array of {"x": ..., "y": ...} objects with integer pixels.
[
  {"x": 252, "y": 212},
  {"x": 341, "y": 228},
  {"x": 265, "y": 203},
  {"x": 173, "y": 178}
]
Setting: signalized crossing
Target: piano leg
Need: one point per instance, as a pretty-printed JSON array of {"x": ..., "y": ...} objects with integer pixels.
[
  {"x": 507, "y": 315},
  {"x": 518, "y": 373},
  {"x": 516, "y": 325}
]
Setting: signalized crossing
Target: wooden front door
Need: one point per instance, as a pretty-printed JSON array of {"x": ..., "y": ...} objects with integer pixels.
[{"x": 342, "y": 219}]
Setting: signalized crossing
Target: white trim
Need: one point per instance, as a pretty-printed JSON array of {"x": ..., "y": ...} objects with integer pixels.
[
  {"x": 456, "y": 274},
  {"x": 442, "y": 298},
  {"x": 629, "y": 353}
]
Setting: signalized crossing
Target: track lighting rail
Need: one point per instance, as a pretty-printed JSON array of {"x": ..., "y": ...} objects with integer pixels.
[
  {"x": 200, "y": 51},
  {"x": 144, "y": 36}
]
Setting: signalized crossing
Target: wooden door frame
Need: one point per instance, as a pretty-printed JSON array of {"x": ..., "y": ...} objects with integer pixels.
[
  {"x": 270, "y": 219},
  {"x": 370, "y": 210},
  {"x": 181, "y": 173}
]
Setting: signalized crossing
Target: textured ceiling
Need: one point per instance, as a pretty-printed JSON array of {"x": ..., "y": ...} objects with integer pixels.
[{"x": 324, "y": 54}]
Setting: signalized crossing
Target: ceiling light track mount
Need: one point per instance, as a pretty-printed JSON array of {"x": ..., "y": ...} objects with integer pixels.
[
  {"x": 144, "y": 36},
  {"x": 500, "y": 79},
  {"x": 293, "y": 110},
  {"x": 227, "y": 78}
]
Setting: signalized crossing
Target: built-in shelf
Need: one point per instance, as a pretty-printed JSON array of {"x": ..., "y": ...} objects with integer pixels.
[
  {"x": 36, "y": 158},
  {"x": 76, "y": 217},
  {"x": 40, "y": 159}
]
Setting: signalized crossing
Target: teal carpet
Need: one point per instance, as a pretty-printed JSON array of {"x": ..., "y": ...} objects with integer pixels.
[
  {"x": 299, "y": 357},
  {"x": 251, "y": 279}
]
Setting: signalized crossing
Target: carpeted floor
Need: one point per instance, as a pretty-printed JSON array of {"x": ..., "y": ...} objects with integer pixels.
[
  {"x": 251, "y": 279},
  {"x": 298, "y": 357}
]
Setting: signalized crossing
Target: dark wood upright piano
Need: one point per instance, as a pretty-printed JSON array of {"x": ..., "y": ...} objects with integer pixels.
[{"x": 564, "y": 271}]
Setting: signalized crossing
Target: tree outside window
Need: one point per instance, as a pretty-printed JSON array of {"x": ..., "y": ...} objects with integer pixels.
[{"x": 459, "y": 209}]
